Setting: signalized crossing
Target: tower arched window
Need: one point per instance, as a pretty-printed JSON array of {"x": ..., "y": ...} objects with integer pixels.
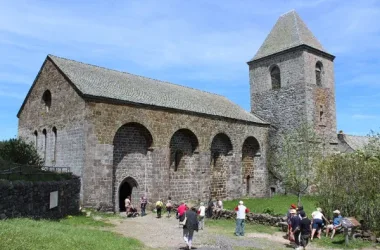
[
  {"x": 46, "y": 98},
  {"x": 36, "y": 139},
  {"x": 275, "y": 77},
  {"x": 318, "y": 74}
]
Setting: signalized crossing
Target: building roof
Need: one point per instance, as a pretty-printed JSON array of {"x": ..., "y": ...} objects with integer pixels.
[
  {"x": 98, "y": 82},
  {"x": 356, "y": 142},
  {"x": 288, "y": 32}
]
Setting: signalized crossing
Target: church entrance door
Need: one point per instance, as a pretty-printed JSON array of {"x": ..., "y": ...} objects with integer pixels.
[{"x": 125, "y": 190}]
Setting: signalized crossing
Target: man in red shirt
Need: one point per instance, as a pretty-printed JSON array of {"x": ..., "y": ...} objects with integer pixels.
[{"x": 181, "y": 211}]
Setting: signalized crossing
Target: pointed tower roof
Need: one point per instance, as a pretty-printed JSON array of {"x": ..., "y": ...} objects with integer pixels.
[{"x": 288, "y": 32}]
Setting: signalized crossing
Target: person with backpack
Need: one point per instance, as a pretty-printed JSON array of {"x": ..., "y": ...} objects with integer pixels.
[
  {"x": 305, "y": 229},
  {"x": 159, "y": 205}
]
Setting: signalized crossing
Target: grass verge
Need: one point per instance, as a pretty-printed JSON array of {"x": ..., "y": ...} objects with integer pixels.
[
  {"x": 76, "y": 232},
  {"x": 278, "y": 204},
  {"x": 338, "y": 242}
]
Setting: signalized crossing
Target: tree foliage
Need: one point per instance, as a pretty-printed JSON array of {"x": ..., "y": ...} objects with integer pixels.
[
  {"x": 351, "y": 183},
  {"x": 294, "y": 162},
  {"x": 20, "y": 152}
]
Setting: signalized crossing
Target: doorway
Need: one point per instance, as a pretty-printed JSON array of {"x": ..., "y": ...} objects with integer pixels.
[{"x": 125, "y": 190}]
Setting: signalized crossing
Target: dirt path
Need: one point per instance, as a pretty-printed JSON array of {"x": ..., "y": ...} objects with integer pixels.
[{"x": 165, "y": 233}]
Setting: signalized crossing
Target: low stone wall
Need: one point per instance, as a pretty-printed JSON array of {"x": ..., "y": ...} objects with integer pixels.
[
  {"x": 36, "y": 199},
  {"x": 264, "y": 219}
]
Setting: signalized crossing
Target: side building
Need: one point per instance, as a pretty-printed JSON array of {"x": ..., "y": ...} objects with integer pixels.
[{"x": 125, "y": 134}]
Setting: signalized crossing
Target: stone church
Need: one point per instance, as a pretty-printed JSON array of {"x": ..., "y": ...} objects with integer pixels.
[{"x": 125, "y": 134}]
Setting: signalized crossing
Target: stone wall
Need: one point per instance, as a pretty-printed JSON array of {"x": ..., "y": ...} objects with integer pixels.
[
  {"x": 32, "y": 199},
  {"x": 207, "y": 151},
  {"x": 63, "y": 143}
]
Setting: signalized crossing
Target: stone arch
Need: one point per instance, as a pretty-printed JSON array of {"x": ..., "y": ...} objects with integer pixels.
[
  {"x": 250, "y": 149},
  {"x": 275, "y": 77},
  {"x": 125, "y": 190},
  {"x": 318, "y": 73},
  {"x": 131, "y": 157},
  {"x": 182, "y": 164},
  {"x": 221, "y": 151},
  {"x": 46, "y": 99}
]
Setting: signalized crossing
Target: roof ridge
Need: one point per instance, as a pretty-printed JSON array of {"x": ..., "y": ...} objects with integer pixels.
[
  {"x": 292, "y": 10},
  {"x": 366, "y": 136},
  {"x": 123, "y": 72},
  {"x": 297, "y": 28}
]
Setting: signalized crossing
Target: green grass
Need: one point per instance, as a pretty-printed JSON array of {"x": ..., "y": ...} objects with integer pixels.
[
  {"x": 338, "y": 242},
  {"x": 279, "y": 204},
  {"x": 76, "y": 232},
  {"x": 228, "y": 227}
]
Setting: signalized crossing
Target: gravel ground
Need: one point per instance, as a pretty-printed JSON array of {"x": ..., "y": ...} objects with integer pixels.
[{"x": 165, "y": 233}]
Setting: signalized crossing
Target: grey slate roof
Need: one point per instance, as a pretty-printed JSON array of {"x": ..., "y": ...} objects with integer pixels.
[
  {"x": 100, "y": 82},
  {"x": 288, "y": 32},
  {"x": 356, "y": 142}
]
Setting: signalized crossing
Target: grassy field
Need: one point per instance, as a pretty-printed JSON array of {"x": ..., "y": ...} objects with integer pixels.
[
  {"x": 279, "y": 204},
  {"x": 77, "y": 232},
  {"x": 227, "y": 227}
]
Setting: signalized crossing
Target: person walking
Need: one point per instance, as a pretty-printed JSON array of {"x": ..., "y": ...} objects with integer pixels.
[
  {"x": 190, "y": 226},
  {"x": 317, "y": 222},
  {"x": 201, "y": 212},
  {"x": 159, "y": 206},
  {"x": 241, "y": 211},
  {"x": 143, "y": 203},
  {"x": 169, "y": 206},
  {"x": 181, "y": 211}
]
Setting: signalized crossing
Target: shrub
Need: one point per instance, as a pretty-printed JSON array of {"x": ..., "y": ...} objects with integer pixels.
[{"x": 20, "y": 152}]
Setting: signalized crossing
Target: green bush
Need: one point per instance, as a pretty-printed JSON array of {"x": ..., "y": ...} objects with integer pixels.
[
  {"x": 351, "y": 183},
  {"x": 19, "y": 152}
]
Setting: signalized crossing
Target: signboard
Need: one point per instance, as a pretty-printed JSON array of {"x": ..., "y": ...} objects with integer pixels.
[{"x": 53, "y": 199}]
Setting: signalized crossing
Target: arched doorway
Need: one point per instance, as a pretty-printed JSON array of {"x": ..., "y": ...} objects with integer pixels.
[
  {"x": 250, "y": 150},
  {"x": 125, "y": 190}
]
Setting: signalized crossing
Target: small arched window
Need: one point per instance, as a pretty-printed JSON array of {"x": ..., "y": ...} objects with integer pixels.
[
  {"x": 36, "y": 139},
  {"x": 248, "y": 184},
  {"x": 318, "y": 74},
  {"x": 45, "y": 143},
  {"x": 46, "y": 98},
  {"x": 275, "y": 77},
  {"x": 55, "y": 144}
]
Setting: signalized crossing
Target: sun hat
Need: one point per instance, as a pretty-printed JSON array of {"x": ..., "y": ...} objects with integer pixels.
[
  {"x": 292, "y": 211},
  {"x": 241, "y": 202},
  {"x": 336, "y": 212},
  {"x": 293, "y": 206}
]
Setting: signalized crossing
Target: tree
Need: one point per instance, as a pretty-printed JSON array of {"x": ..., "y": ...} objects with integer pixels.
[
  {"x": 20, "y": 152},
  {"x": 295, "y": 159}
]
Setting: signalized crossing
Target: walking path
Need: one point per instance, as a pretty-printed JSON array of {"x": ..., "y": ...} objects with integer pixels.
[{"x": 165, "y": 233}]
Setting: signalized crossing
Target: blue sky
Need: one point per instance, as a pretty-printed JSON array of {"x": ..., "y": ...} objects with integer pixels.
[{"x": 200, "y": 44}]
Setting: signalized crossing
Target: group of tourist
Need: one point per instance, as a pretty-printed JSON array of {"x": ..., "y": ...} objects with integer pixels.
[
  {"x": 301, "y": 228},
  {"x": 191, "y": 219}
]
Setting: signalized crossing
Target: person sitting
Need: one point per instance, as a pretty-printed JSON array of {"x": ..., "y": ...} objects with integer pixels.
[{"x": 336, "y": 224}]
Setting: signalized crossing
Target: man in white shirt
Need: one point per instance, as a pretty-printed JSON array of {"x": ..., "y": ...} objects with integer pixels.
[
  {"x": 201, "y": 213},
  {"x": 241, "y": 211}
]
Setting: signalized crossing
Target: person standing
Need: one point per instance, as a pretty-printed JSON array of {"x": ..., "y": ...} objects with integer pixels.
[
  {"x": 143, "y": 203},
  {"x": 190, "y": 226},
  {"x": 295, "y": 226},
  {"x": 305, "y": 228},
  {"x": 201, "y": 212},
  {"x": 210, "y": 208},
  {"x": 241, "y": 211},
  {"x": 169, "y": 206},
  {"x": 159, "y": 206},
  {"x": 127, "y": 203}
]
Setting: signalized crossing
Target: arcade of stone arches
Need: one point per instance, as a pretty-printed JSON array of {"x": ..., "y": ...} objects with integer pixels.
[{"x": 133, "y": 164}]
